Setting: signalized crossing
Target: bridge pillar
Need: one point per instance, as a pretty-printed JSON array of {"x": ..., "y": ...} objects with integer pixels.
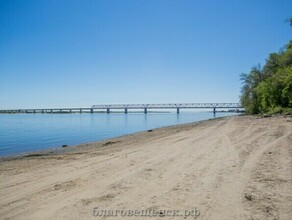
[
  {"x": 214, "y": 110},
  {"x": 42, "y": 111},
  {"x": 177, "y": 110},
  {"x": 80, "y": 110},
  {"x": 126, "y": 111},
  {"x": 91, "y": 110},
  {"x": 70, "y": 110},
  {"x": 145, "y": 110},
  {"x": 51, "y": 110},
  {"x": 33, "y": 111},
  {"x": 107, "y": 110}
]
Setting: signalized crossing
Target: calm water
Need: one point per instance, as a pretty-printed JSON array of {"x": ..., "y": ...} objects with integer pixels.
[{"x": 21, "y": 133}]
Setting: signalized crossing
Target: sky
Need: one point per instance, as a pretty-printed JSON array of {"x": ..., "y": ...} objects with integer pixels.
[{"x": 69, "y": 53}]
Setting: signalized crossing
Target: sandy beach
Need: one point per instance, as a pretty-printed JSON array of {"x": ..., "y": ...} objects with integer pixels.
[{"x": 228, "y": 168}]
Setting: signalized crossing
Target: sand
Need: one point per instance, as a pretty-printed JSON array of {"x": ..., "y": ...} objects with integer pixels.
[{"x": 229, "y": 168}]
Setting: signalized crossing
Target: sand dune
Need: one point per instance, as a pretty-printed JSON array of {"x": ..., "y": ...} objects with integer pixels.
[{"x": 229, "y": 168}]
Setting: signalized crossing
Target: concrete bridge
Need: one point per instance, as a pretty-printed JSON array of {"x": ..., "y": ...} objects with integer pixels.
[{"x": 126, "y": 107}]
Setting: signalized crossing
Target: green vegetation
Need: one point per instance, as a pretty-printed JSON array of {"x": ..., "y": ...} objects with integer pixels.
[{"x": 268, "y": 89}]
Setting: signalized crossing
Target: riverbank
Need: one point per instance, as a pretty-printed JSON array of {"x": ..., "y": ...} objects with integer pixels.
[{"x": 227, "y": 168}]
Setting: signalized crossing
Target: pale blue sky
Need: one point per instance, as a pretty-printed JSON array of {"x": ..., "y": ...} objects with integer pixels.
[{"x": 66, "y": 53}]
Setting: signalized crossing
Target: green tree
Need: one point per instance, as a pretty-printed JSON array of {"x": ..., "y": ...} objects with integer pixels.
[
  {"x": 268, "y": 88},
  {"x": 249, "y": 98}
]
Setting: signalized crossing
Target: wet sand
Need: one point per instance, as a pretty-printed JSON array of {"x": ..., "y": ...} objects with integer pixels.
[{"x": 228, "y": 168}]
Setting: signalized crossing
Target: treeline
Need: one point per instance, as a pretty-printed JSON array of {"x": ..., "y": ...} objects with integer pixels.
[{"x": 268, "y": 89}]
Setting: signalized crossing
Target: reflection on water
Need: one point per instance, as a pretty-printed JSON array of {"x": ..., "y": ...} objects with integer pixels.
[{"x": 29, "y": 132}]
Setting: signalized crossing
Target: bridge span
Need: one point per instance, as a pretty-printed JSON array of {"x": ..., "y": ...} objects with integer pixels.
[
  {"x": 176, "y": 106},
  {"x": 126, "y": 107}
]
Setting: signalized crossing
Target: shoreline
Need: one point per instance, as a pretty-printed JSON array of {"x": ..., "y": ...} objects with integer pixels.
[
  {"x": 237, "y": 167},
  {"x": 59, "y": 150}
]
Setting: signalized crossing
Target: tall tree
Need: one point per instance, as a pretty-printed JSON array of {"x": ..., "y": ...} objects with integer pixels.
[{"x": 269, "y": 88}]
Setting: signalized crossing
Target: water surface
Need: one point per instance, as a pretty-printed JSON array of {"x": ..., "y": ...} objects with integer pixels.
[{"x": 21, "y": 133}]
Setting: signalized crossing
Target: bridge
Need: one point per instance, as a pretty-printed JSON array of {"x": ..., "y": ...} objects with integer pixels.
[
  {"x": 126, "y": 107},
  {"x": 168, "y": 106}
]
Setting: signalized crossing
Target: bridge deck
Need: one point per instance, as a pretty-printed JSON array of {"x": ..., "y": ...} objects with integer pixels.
[{"x": 128, "y": 106}]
